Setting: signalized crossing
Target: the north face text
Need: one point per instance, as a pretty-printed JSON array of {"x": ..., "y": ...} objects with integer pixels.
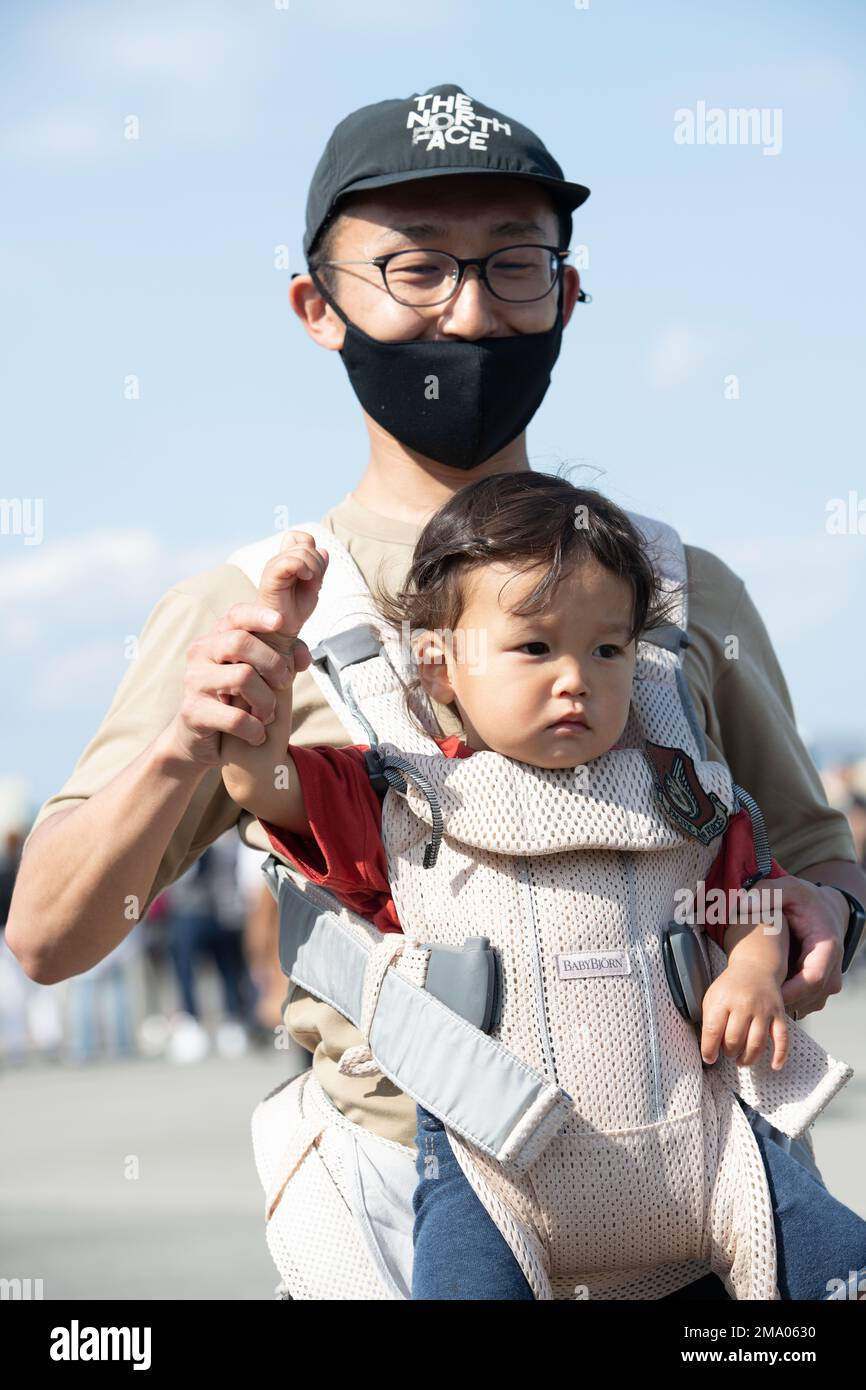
[{"x": 438, "y": 121}]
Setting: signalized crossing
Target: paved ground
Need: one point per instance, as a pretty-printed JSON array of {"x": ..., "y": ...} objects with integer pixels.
[
  {"x": 840, "y": 1133},
  {"x": 190, "y": 1225}
]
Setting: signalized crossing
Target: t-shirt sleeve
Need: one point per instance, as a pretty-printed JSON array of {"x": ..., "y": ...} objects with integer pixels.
[
  {"x": 734, "y": 865},
  {"x": 749, "y": 716},
  {"x": 344, "y": 851}
]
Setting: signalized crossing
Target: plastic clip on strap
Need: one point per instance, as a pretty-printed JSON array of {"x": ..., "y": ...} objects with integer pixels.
[{"x": 344, "y": 649}]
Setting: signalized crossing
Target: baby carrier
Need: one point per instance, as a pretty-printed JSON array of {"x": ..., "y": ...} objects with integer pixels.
[{"x": 526, "y": 1003}]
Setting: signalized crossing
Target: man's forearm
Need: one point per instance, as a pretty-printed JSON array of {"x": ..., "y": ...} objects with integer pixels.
[{"x": 84, "y": 879}]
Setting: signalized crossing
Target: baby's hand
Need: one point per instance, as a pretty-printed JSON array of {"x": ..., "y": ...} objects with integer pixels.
[
  {"x": 290, "y": 585},
  {"x": 739, "y": 1009}
]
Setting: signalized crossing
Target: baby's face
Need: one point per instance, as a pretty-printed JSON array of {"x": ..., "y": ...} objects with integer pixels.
[{"x": 513, "y": 678}]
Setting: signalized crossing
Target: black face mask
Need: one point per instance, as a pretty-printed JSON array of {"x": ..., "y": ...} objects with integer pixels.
[{"x": 456, "y": 402}]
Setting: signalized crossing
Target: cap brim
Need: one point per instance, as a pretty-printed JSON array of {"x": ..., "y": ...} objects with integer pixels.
[{"x": 571, "y": 195}]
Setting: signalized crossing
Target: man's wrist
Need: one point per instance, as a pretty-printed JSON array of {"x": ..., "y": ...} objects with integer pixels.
[
  {"x": 841, "y": 908},
  {"x": 853, "y": 916},
  {"x": 171, "y": 759},
  {"x": 282, "y": 642}
]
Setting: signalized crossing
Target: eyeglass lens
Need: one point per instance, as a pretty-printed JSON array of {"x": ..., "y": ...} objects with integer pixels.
[{"x": 515, "y": 273}]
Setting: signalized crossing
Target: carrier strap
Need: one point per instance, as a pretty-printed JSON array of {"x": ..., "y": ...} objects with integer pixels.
[{"x": 493, "y": 1098}]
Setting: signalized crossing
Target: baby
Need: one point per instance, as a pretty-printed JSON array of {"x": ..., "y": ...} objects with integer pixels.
[
  {"x": 549, "y": 687},
  {"x": 544, "y": 678}
]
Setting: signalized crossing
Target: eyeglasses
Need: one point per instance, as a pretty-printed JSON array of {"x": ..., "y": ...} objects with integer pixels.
[{"x": 517, "y": 274}]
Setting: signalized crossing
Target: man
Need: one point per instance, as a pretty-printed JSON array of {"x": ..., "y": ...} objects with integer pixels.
[{"x": 448, "y": 367}]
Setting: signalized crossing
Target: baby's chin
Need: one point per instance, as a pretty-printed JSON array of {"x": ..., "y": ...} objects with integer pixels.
[{"x": 536, "y": 755}]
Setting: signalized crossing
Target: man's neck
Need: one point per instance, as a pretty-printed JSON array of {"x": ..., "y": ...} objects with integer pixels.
[{"x": 394, "y": 485}]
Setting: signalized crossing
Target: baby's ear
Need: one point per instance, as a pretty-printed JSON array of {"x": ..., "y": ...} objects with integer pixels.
[{"x": 430, "y": 658}]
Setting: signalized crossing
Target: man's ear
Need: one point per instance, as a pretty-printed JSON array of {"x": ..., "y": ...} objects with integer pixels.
[
  {"x": 570, "y": 291},
  {"x": 324, "y": 326},
  {"x": 432, "y": 663}
]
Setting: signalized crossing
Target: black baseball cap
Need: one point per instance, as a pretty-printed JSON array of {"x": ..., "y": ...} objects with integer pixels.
[{"x": 440, "y": 131}]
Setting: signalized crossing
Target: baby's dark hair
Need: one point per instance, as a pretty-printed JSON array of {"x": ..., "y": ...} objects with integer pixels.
[{"x": 525, "y": 520}]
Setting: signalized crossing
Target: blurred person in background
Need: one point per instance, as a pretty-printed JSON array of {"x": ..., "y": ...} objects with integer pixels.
[
  {"x": 207, "y": 914},
  {"x": 856, "y": 808},
  {"x": 9, "y": 860},
  {"x": 14, "y": 984},
  {"x": 845, "y": 787},
  {"x": 157, "y": 977},
  {"x": 857, "y": 820},
  {"x": 31, "y": 1017},
  {"x": 260, "y": 944},
  {"x": 260, "y": 939},
  {"x": 99, "y": 1006},
  {"x": 261, "y": 947}
]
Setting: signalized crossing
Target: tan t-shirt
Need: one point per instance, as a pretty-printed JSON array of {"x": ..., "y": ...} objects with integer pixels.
[{"x": 743, "y": 705}]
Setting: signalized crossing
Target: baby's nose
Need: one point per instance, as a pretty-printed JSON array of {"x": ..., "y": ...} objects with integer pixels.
[{"x": 570, "y": 678}]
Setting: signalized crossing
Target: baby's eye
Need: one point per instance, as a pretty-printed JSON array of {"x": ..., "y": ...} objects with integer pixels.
[
  {"x": 533, "y": 644},
  {"x": 609, "y": 647}
]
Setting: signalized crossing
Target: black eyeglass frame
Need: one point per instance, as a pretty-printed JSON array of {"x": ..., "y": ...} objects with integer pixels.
[{"x": 462, "y": 262}]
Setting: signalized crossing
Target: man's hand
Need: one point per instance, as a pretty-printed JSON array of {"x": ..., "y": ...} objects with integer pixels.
[
  {"x": 817, "y": 919},
  {"x": 229, "y": 685},
  {"x": 234, "y": 672}
]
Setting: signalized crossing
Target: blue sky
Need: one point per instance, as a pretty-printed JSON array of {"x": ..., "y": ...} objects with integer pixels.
[{"x": 156, "y": 257}]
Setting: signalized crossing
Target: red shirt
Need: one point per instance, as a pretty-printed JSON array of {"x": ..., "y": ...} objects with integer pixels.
[{"x": 345, "y": 854}]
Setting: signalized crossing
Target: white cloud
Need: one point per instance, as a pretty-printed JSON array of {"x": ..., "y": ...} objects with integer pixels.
[
  {"x": 188, "y": 72},
  {"x": 92, "y": 580},
  {"x": 19, "y": 629},
  {"x": 69, "y": 607}
]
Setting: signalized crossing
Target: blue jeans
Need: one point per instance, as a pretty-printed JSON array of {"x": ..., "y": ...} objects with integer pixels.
[
  {"x": 194, "y": 934},
  {"x": 461, "y": 1254}
]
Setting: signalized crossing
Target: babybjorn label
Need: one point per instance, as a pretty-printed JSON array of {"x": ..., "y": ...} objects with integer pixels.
[{"x": 582, "y": 963}]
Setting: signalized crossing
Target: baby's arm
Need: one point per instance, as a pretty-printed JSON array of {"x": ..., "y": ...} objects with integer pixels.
[
  {"x": 745, "y": 1003},
  {"x": 263, "y": 779}
]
